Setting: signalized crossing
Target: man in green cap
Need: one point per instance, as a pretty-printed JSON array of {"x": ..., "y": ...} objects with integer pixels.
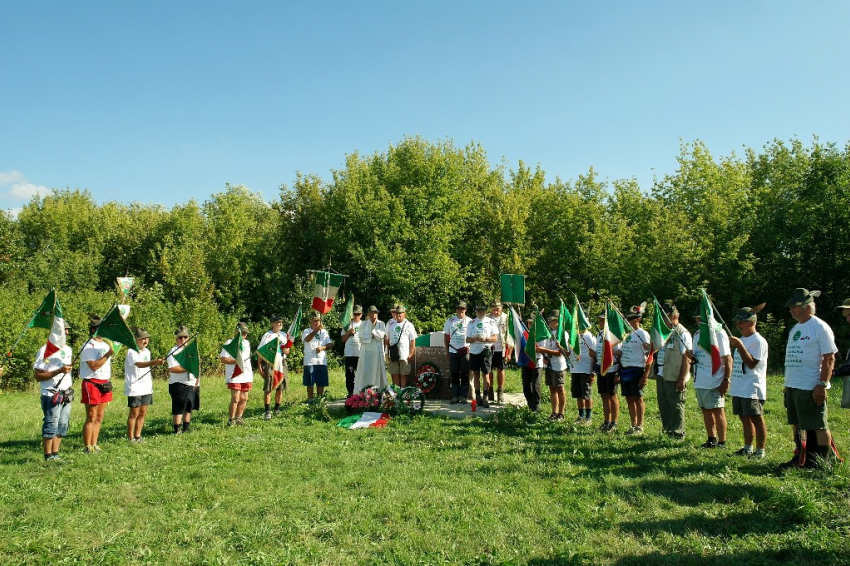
[
  {"x": 748, "y": 386},
  {"x": 809, "y": 359},
  {"x": 674, "y": 376}
]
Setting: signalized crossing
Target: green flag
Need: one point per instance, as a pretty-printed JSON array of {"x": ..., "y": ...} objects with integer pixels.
[
  {"x": 235, "y": 346},
  {"x": 347, "y": 312},
  {"x": 114, "y": 327},
  {"x": 189, "y": 359},
  {"x": 567, "y": 329},
  {"x": 538, "y": 331},
  {"x": 43, "y": 317},
  {"x": 575, "y": 331},
  {"x": 513, "y": 288},
  {"x": 660, "y": 331},
  {"x": 583, "y": 321}
]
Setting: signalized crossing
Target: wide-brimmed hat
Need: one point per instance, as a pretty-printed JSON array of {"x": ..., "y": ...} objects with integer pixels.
[
  {"x": 181, "y": 331},
  {"x": 400, "y": 308},
  {"x": 601, "y": 316},
  {"x": 698, "y": 312},
  {"x": 802, "y": 296},
  {"x": 357, "y": 309},
  {"x": 373, "y": 308},
  {"x": 394, "y": 308},
  {"x": 844, "y": 305},
  {"x": 140, "y": 333},
  {"x": 496, "y": 305}
]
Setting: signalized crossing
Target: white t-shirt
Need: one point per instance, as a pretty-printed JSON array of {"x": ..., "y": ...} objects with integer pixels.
[
  {"x": 501, "y": 323},
  {"x": 750, "y": 383},
  {"x": 60, "y": 358},
  {"x": 311, "y": 356},
  {"x": 807, "y": 344},
  {"x": 402, "y": 333},
  {"x": 137, "y": 381},
  {"x": 269, "y": 336},
  {"x": 556, "y": 363},
  {"x": 703, "y": 378},
  {"x": 600, "y": 345},
  {"x": 352, "y": 345},
  {"x": 634, "y": 354},
  {"x": 583, "y": 363},
  {"x": 455, "y": 328},
  {"x": 247, "y": 376},
  {"x": 481, "y": 328},
  {"x": 185, "y": 377},
  {"x": 93, "y": 351}
]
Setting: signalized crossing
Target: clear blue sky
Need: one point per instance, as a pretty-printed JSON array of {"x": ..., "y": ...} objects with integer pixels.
[{"x": 163, "y": 101}]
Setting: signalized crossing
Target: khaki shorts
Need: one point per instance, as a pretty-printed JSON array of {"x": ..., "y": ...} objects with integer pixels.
[
  {"x": 710, "y": 399},
  {"x": 802, "y": 410},
  {"x": 554, "y": 378},
  {"x": 401, "y": 367}
]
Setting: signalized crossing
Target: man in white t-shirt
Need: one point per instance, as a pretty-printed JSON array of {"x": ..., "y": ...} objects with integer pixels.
[
  {"x": 556, "y": 367},
  {"x": 241, "y": 385},
  {"x": 481, "y": 336},
  {"x": 317, "y": 342},
  {"x": 581, "y": 377},
  {"x": 182, "y": 386},
  {"x": 54, "y": 379},
  {"x": 501, "y": 353},
  {"x": 266, "y": 369},
  {"x": 138, "y": 384},
  {"x": 351, "y": 340},
  {"x": 809, "y": 359},
  {"x": 633, "y": 357},
  {"x": 401, "y": 344},
  {"x": 606, "y": 385},
  {"x": 749, "y": 381},
  {"x": 457, "y": 352},
  {"x": 711, "y": 387}
]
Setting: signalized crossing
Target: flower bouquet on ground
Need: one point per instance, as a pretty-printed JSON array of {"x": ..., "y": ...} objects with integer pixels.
[
  {"x": 426, "y": 377},
  {"x": 369, "y": 399}
]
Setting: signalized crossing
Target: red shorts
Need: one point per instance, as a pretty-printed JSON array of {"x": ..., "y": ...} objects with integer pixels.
[
  {"x": 91, "y": 395},
  {"x": 240, "y": 386}
]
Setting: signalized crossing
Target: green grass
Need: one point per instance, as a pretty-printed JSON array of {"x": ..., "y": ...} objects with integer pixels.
[{"x": 426, "y": 490}]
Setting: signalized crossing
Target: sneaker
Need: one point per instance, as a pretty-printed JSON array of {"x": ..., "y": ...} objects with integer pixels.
[
  {"x": 611, "y": 427},
  {"x": 676, "y": 435},
  {"x": 757, "y": 455},
  {"x": 559, "y": 417},
  {"x": 139, "y": 440},
  {"x": 88, "y": 450},
  {"x": 578, "y": 421},
  {"x": 454, "y": 401},
  {"x": 490, "y": 395},
  {"x": 178, "y": 431},
  {"x": 500, "y": 397},
  {"x": 742, "y": 452},
  {"x": 240, "y": 421},
  {"x": 635, "y": 430},
  {"x": 96, "y": 448},
  {"x": 484, "y": 403},
  {"x": 586, "y": 422},
  {"x": 231, "y": 422},
  {"x": 55, "y": 457},
  {"x": 553, "y": 417},
  {"x": 276, "y": 412},
  {"x": 604, "y": 427},
  {"x": 709, "y": 444},
  {"x": 268, "y": 416}
]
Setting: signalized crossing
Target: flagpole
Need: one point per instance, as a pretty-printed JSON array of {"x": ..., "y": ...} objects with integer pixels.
[
  {"x": 15, "y": 345},
  {"x": 714, "y": 309},
  {"x": 171, "y": 351}
]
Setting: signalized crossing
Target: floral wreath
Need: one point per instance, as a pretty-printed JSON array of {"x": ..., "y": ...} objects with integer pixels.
[{"x": 427, "y": 376}]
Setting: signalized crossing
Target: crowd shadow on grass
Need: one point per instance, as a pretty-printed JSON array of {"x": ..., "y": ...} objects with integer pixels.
[{"x": 761, "y": 557}]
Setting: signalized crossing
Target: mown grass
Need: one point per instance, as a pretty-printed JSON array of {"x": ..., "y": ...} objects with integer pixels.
[{"x": 426, "y": 490}]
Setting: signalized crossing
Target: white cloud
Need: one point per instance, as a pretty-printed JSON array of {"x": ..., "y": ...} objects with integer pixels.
[{"x": 16, "y": 188}]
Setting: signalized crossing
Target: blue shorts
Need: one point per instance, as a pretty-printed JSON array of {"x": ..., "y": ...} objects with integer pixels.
[
  {"x": 315, "y": 375},
  {"x": 57, "y": 417}
]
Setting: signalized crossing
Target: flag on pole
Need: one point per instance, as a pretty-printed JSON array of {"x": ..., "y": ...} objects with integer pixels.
[
  {"x": 513, "y": 288},
  {"x": 519, "y": 333},
  {"x": 538, "y": 331},
  {"x": 327, "y": 285},
  {"x": 293, "y": 328},
  {"x": 568, "y": 330},
  {"x": 114, "y": 327},
  {"x": 660, "y": 332},
  {"x": 347, "y": 312},
  {"x": 583, "y": 321},
  {"x": 56, "y": 339},
  {"x": 612, "y": 334},
  {"x": 271, "y": 353},
  {"x": 708, "y": 328},
  {"x": 236, "y": 348},
  {"x": 43, "y": 316},
  {"x": 189, "y": 359},
  {"x": 576, "y": 331}
]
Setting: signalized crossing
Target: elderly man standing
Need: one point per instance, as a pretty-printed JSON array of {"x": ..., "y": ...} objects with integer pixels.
[
  {"x": 711, "y": 387},
  {"x": 458, "y": 352},
  {"x": 809, "y": 359},
  {"x": 749, "y": 381},
  {"x": 675, "y": 373},
  {"x": 481, "y": 335},
  {"x": 501, "y": 353},
  {"x": 401, "y": 346}
]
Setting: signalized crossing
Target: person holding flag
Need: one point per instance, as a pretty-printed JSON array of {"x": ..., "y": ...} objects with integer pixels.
[
  {"x": 182, "y": 386},
  {"x": 266, "y": 368},
  {"x": 749, "y": 381},
  {"x": 674, "y": 375},
  {"x": 556, "y": 364},
  {"x": 351, "y": 340},
  {"x": 713, "y": 360},
  {"x": 138, "y": 384},
  {"x": 606, "y": 373},
  {"x": 317, "y": 342},
  {"x": 96, "y": 372},
  {"x": 633, "y": 357},
  {"x": 53, "y": 374},
  {"x": 581, "y": 362},
  {"x": 501, "y": 353},
  {"x": 457, "y": 352},
  {"x": 481, "y": 334},
  {"x": 238, "y": 373},
  {"x": 530, "y": 370}
]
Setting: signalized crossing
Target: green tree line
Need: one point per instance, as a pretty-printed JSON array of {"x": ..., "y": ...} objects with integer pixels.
[{"x": 428, "y": 223}]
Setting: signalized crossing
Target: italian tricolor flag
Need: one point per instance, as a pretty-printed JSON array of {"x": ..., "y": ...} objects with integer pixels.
[
  {"x": 234, "y": 347},
  {"x": 365, "y": 420},
  {"x": 327, "y": 285},
  {"x": 293, "y": 328},
  {"x": 708, "y": 331},
  {"x": 612, "y": 334},
  {"x": 271, "y": 353},
  {"x": 49, "y": 315}
]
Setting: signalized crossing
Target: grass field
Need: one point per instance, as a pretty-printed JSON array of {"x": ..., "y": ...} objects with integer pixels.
[{"x": 425, "y": 490}]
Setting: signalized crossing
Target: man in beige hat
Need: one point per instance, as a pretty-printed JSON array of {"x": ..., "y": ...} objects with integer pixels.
[
  {"x": 501, "y": 352},
  {"x": 809, "y": 359},
  {"x": 401, "y": 345}
]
